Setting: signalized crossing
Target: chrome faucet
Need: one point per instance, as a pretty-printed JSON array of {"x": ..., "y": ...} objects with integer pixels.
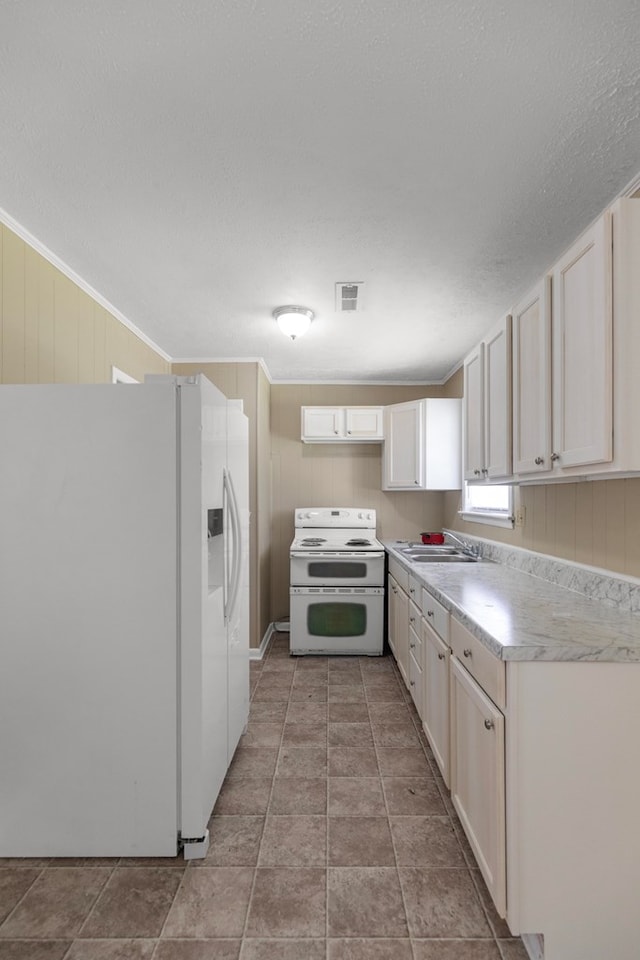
[{"x": 471, "y": 550}]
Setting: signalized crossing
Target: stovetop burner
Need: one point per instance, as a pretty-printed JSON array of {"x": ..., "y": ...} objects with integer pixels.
[
  {"x": 312, "y": 541},
  {"x": 358, "y": 542}
]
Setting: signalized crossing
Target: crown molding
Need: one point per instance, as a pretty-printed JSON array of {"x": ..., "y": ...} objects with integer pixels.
[{"x": 68, "y": 272}]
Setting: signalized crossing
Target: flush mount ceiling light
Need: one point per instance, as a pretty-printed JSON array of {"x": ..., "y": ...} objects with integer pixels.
[{"x": 293, "y": 321}]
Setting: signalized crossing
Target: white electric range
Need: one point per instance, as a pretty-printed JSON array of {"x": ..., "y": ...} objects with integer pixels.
[{"x": 336, "y": 582}]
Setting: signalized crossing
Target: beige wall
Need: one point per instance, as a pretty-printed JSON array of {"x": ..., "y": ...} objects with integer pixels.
[
  {"x": 51, "y": 331},
  {"x": 247, "y": 382},
  {"x": 350, "y": 474}
]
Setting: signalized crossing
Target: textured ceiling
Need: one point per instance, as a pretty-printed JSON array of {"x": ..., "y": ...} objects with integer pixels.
[{"x": 200, "y": 163}]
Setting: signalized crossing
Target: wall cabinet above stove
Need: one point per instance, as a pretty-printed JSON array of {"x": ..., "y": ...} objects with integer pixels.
[
  {"x": 422, "y": 445},
  {"x": 342, "y": 425}
]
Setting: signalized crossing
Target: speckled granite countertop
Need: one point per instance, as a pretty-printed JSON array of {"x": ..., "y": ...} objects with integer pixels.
[{"x": 522, "y": 617}]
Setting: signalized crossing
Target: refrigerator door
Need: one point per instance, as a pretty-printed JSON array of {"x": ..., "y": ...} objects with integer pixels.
[
  {"x": 88, "y": 546},
  {"x": 238, "y": 562},
  {"x": 203, "y": 634}
]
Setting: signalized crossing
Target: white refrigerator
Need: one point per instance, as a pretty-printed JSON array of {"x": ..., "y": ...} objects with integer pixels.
[{"x": 124, "y": 597}]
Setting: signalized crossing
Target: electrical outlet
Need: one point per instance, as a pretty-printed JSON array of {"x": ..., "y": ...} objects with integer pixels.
[{"x": 520, "y": 517}]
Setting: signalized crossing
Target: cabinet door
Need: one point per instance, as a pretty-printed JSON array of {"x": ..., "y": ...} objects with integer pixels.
[
  {"x": 435, "y": 701},
  {"x": 532, "y": 381},
  {"x": 322, "y": 423},
  {"x": 392, "y": 613},
  {"x": 473, "y": 445},
  {"x": 497, "y": 401},
  {"x": 416, "y": 685},
  {"x": 403, "y": 446},
  {"x": 402, "y": 634},
  {"x": 364, "y": 423},
  {"x": 478, "y": 777},
  {"x": 582, "y": 350}
]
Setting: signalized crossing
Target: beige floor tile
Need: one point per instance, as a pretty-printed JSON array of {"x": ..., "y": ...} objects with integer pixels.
[
  {"x": 425, "y": 842},
  {"x": 413, "y": 797},
  {"x": 346, "y": 693},
  {"x": 288, "y": 902},
  {"x": 234, "y": 842},
  {"x": 352, "y": 677},
  {"x": 14, "y": 883},
  {"x": 298, "y": 796},
  {"x": 279, "y": 666},
  {"x": 294, "y": 841},
  {"x": 348, "y": 713},
  {"x": 33, "y": 949},
  {"x": 310, "y": 678},
  {"x": 253, "y": 762},
  {"x": 352, "y": 762},
  {"x": 513, "y": 949},
  {"x": 267, "y": 712},
  {"x": 309, "y": 694},
  {"x": 369, "y": 950},
  {"x": 302, "y": 762},
  {"x": 283, "y": 950},
  {"x": 350, "y": 735},
  {"x": 365, "y": 902},
  {"x": 56, "y": 904},
  {"x": 121, "y": 949},
  {"x": 360, "y": 842},
  {"x": 198, "y": 950},
  {"x": 211, "y": 902},
  {"x": 455, "y": 950},
  {"x": 300, "y": 712},
  {"x": 244, "y": 797},
  {"x": 270, "y": 694},
  {"x": 390, "y": 712},
  {"x": 442, "y": 902},
  {"x": 134, "y": 903},
  {"x": 261, "y": 734},
  {"x": 402, "y": 762},
  {"x": 304, "y": 734},
  {"x": 356, "y": 797},
  {"x": 390, "y": 733},
  {"x": 497, "y": 924},
  {"x": 384, "y": 693}
]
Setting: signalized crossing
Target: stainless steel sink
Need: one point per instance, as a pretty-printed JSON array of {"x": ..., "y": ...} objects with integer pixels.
[{"x": 436, "y": 554}]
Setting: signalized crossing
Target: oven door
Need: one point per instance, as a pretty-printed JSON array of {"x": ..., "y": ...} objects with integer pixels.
[
  {"x": 337, "y": 569},
  {"x": 333, "y": 620}
]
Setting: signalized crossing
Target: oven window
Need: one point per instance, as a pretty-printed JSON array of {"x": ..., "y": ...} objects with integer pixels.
[
  {"x": 344, "y": 619},
  {"x": 333, "y": 569}
]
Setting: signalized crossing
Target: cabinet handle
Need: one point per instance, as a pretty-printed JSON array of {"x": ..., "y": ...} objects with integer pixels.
[
  {"x": 412, "y": 683},
  {"x": 466, "y": 653},
  {"x": 412, "y": 619},
  {"x": 441, "y": 656},
  {"x": 476, "y": 473},
  {"x": 411, "y": 646},
  {"x": 555, "y": 456},
  {"x": 485, "y": 471},
  {"x": 349, "y": 432},
  {"x": 394, "y": 590},
  {"x": 489, "y": 724},
  {"x": 412, "y": 589},
  {"x": 429, "y": 613},
  {"x": 538, "y": 460}
]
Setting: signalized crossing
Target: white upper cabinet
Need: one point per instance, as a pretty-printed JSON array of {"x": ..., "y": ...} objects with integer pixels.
[
  {"x": 582, "y": 350},
  {"x": 422, "y": 445},
  {"x": 575, "y": 359},
  {"x": 487, "y": 406},
  {"x": 340, "y": 424},
  {"x": 532, "y": 381}
]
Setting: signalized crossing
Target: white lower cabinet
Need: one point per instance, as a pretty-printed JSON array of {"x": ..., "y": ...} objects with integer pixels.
[
  {"x": 415, "y": 657},
  {"x": 478, "y": 777},
  {"x": 398, "y": 618},
  {"x": 435, "y": 708}
]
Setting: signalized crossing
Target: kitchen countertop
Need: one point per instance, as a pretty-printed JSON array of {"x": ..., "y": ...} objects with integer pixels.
[{"x": 518, "y": 616}]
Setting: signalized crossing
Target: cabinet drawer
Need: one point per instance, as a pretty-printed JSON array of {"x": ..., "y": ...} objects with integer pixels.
[
  {"x": 480, "y": 662},
  {"x": 399, "y": 574},
  {"x": 414, "y": 617},
  {"x": 414, "y": 589},
  {"x": 436, "y": 615}
]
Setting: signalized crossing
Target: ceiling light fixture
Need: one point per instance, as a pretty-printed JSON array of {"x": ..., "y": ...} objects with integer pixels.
[{"x": 293, "y": 321}]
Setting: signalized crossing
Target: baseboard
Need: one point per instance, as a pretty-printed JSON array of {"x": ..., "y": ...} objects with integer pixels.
[
  {"x": 534, "y": 945},
  {"x": 257, "y": 653}
]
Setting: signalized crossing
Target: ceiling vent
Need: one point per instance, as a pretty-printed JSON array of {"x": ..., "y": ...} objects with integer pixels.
[{"x": 349, "y": 297}]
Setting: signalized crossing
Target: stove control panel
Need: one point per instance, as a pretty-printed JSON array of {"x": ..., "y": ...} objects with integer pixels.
[{"x": 336, "y": 517}]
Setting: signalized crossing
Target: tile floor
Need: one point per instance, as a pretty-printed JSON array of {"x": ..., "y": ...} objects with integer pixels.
[{"x": 333, "y": 838}]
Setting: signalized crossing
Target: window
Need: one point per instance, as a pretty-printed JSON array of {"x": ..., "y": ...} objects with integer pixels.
[
  {"x": 488, "y": 504},
  {"x": 119, "y": 376}
]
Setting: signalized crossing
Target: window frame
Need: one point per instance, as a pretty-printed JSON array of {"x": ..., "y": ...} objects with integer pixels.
[{"x": 488, "y": 515}]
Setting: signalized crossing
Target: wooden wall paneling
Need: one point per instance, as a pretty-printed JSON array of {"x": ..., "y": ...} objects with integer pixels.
[
  {"x": 632, "y": 526},
  {"x": 65, "y": 347},
  {"x": 46, "y": 323},
  {"x": 565, "y": 534},
  {"x": 32, "y": 263},
  {"x": 614, "y": 558},
  {"x": 86, "y": 338},
  {"x": 100, "y": 365},
  {"x": 584, "y": 523},
  {"x": 13, "y": 309}
]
